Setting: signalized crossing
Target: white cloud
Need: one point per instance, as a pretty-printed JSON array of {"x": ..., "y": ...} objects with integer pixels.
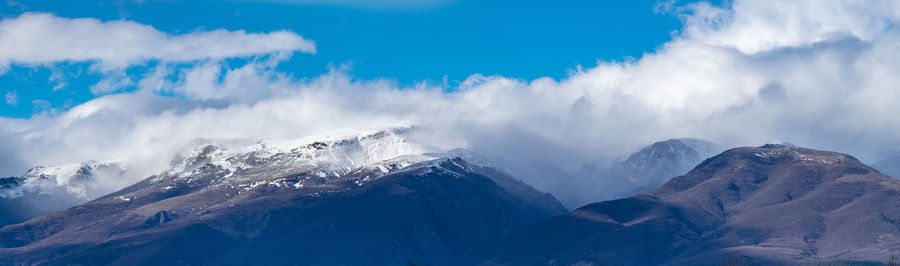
[
  {"x": 112, "y": 46},
  {"x": 827, "y": 79},
  {"x": 759, "y": 26},
  {"x": 42, "y": 39}
]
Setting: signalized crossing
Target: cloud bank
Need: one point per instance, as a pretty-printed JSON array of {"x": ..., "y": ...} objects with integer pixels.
[{"x": 816, "y": 74}]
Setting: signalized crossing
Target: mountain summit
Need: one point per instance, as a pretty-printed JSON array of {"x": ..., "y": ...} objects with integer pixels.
[
  {"x": 655, "y": 164},
  {"x": 770, "y": 204}
]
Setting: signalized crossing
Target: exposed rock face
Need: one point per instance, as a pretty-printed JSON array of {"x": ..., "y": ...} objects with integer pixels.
[
  {"x": 159, "y": 218},
  {"x": 325, "y": 203},
  {"x": 772, "y": 204}
]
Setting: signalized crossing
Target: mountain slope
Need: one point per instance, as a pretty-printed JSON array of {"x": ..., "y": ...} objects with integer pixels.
[
  {"x": 772, "y": 204},
  {"x": 323, "y": 203}
]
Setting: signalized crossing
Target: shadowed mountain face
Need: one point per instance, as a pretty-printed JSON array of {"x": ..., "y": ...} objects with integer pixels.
[
  {"x": 772, "y": 204},
  {"x": 17, "y": 210},
  {"x": 279, "y": 208}
]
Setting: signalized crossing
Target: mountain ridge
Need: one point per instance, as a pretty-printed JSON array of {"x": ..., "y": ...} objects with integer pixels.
[{"x": 248, "y": 199}]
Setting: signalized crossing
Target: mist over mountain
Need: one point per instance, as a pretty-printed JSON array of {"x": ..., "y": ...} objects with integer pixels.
[
  {"x": 889, "y": 165},
  {"x": 44, "y": 189},
  {"x": 649, "y": 167},
  {"x": 768, "y": 205},
  {"x": 19, "y": 209},
  {"x": 598, "y": 180}
]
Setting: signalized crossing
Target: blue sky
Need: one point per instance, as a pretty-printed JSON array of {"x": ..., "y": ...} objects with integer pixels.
[{"x": 401, "y": 42}]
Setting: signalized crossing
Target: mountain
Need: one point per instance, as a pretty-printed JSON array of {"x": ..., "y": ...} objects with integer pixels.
[
  {"x": 767, "y": 205},
  {"x": 368, "y": 199},
  {"x": 44, "y": 189},
  {"x": 889, "y": 165},
  {"x": 651, "y": 166}
]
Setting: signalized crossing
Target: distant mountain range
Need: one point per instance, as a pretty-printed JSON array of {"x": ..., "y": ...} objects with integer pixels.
[{"x": 380, "y": 199}]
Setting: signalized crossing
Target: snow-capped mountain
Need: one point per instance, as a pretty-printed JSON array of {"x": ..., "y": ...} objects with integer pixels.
[
  {"x": 362, "y": 199},
  {"x": 50, "y": 188},
  {"x": 76, "y": 179},
  {"x": 652, "y": 165},
  {"x": 326, "y": 157},
  {"x": 44, "y": 189}
]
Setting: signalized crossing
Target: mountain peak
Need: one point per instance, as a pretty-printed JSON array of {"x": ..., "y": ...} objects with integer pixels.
[
  {"x": 773, "y": 146},
  {"x": 653, "y": 165},
  {"x": 324, "y": 155},
  {"x": 751, "y": 168},
  {"x": 669, "y": 154}
]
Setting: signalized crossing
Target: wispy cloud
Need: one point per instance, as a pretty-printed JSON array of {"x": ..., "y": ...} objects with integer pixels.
[
  {"x": 11, "y": 98},
  {"x": 16, "y": 4}
]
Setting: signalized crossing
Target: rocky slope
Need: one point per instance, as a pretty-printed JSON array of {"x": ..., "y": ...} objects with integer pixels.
[
  {"x": 771, "y": 204},
  {"x": 370, "y": 199}
]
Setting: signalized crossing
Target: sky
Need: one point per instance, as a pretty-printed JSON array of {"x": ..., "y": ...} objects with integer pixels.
[
  {"x": 409, "y": 43},
  {"x": 538, "y": 83}
]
